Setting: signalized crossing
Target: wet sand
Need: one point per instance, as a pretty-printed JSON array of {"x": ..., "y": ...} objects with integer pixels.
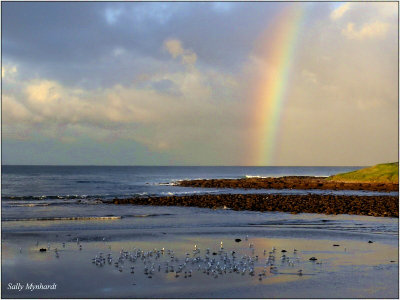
[
  {"x": 346, "y": 266},
  {"x": 337, "y": 255},
  {"x": 289, "y": 182},
  {"x": 378, "y": 206},
  {"x": 256, "y": 250}
]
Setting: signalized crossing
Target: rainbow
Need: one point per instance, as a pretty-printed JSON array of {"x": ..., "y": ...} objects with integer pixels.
[{"x": 279, "y": 45}]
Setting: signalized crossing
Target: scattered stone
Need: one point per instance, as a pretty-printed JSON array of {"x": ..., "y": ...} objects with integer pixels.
[
  {"x": 289, "y": 182},
  {"x": 313, "y": 258},
  {"x": 379, "y": 206}
]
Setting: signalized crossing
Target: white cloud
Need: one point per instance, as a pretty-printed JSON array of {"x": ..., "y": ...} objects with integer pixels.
[
  {"x": 9, "y": 72},
  {"x": 118, "y": 51},
  {"x": 342, "y": 92},
  {"x": 222, "y": 7},
  {"x": 14, "y": 111},
  {"x": 189, "y": 58},
  {"x": 195, "y": 113},
  {"x": 175, "y": 48},
  {"x": 340, "y": 11},
  {"x": 159, "y": 12},
  {"x": 173, "y": 122},
  {"x": 309, "y": 76},
  {"x": 112, "y": 15},
  {"x": 43, "y": 91},
  {"x": 376, "y": 29}
]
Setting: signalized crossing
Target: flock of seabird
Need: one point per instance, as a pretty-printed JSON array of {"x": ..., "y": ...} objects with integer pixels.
[{"x": 213, "y": 263}]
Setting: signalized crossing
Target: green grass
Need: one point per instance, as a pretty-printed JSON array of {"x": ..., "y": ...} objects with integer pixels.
[{"x": 385, "y": 173}]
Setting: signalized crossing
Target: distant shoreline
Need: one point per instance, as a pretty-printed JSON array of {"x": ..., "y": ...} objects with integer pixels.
[
  {"x": 289, "y": 182},
  {"x": 377, "y": 206}
]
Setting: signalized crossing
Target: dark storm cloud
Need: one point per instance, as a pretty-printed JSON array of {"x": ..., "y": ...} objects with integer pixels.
[
  {"x": 183, "y": 79},
  {"x": 77, "y": 43}
]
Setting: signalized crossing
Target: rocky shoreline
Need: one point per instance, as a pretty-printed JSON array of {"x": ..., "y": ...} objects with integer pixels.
[
  {"x": 378, "y": 206},
  {"x": 289, "y": 182}
]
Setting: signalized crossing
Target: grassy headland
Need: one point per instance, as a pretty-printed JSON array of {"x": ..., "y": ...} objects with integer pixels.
[
  {"x": 383, "y": 173},
  {"x": 383, "y": 177},
  {"x": 378, "y": 206}
]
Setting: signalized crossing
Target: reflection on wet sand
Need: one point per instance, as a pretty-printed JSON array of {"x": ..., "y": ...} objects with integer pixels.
[{"x": 187, "y": 263}]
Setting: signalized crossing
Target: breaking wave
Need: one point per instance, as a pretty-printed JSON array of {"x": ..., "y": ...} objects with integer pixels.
[
  {"x": 83, "y": 218},
  {"x": 51, "y": 197}
]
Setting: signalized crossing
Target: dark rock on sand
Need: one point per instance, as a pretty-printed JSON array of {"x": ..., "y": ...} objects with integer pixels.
[
  {"x": 238, "y": 240},
  {"x": 42, "y": 249},
  {"x": 378, "y": 206},
  {"x": 370, "y": 242},
  {"x": 289, "y": 182},
  {"x": 313, "y": 258}
]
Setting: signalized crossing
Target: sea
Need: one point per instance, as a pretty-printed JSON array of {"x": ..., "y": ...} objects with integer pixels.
[
  {"x": 73, "y": 193},
  {"x": 58, "y": 207}
]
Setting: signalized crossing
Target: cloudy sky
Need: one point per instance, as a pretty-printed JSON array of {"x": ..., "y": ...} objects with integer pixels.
[{"x": 178, "y": 83}]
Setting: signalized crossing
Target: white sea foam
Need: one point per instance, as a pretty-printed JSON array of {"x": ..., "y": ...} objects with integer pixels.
[
  {"x": 31, "y": 204},
  {"x": 255, "y": 176},
  {"x": 65, "y": 218}
]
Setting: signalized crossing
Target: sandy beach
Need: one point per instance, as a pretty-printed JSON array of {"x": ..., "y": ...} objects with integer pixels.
[
  {"x": 200, "y": 150},
  {"x": 192, "y": 242},
  {"x": 356, "y": 253}
]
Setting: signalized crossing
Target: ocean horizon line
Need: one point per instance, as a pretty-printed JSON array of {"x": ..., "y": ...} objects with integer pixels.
[{"x": 179, "y": 166}]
